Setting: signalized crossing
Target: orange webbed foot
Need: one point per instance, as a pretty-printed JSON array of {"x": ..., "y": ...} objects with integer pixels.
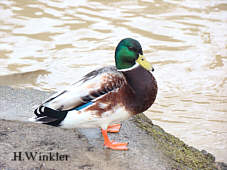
[
  {"x": 117, "y": 145},
  {"x": 114, "y": 128},
  {"x": 112, "y": 144}
]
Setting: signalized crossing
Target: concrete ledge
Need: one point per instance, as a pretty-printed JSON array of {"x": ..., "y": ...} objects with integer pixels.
[{"x": 149, "y": 146}]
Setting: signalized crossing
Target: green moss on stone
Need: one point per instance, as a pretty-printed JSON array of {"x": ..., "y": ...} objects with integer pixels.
[{"x": 174, "y": 148}]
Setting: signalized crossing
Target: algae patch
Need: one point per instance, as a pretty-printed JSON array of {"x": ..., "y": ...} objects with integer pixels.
[{"x": 174, "y": 148}]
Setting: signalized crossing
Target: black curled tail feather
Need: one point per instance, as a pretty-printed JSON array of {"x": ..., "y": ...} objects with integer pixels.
[{"x": 49, "y": 116}]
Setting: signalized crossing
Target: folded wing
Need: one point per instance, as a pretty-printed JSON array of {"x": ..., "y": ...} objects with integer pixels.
[{"x": 90, "y": 87}]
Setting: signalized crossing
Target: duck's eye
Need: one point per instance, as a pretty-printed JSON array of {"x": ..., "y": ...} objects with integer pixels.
[{"x": 131, "y": 48}]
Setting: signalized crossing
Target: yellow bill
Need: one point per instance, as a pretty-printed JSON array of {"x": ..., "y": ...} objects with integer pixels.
[{"x": 144, "y": 63}]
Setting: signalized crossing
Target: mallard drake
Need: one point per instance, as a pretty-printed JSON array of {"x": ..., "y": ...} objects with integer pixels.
[{"x": 105, "y": 96}]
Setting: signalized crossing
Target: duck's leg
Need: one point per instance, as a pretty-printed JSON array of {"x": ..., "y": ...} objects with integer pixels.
[
  {"x": 112, "y": 144},
  {"x": 114, "y": 128}
]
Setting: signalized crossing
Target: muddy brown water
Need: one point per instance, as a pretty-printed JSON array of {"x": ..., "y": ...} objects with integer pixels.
[{"x": 49, "y": 44}]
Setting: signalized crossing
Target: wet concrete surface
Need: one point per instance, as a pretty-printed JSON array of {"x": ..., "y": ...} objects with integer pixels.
[
  {"x": 83, "y": 147},
  {"x": 81, "y": 152}
]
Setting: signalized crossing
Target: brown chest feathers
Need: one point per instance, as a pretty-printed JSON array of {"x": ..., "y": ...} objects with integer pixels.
[{"x": 142, "y": 89}]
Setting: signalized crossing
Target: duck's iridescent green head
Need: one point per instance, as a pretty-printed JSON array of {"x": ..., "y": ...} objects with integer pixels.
[{"x": 128, "y": 53}]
